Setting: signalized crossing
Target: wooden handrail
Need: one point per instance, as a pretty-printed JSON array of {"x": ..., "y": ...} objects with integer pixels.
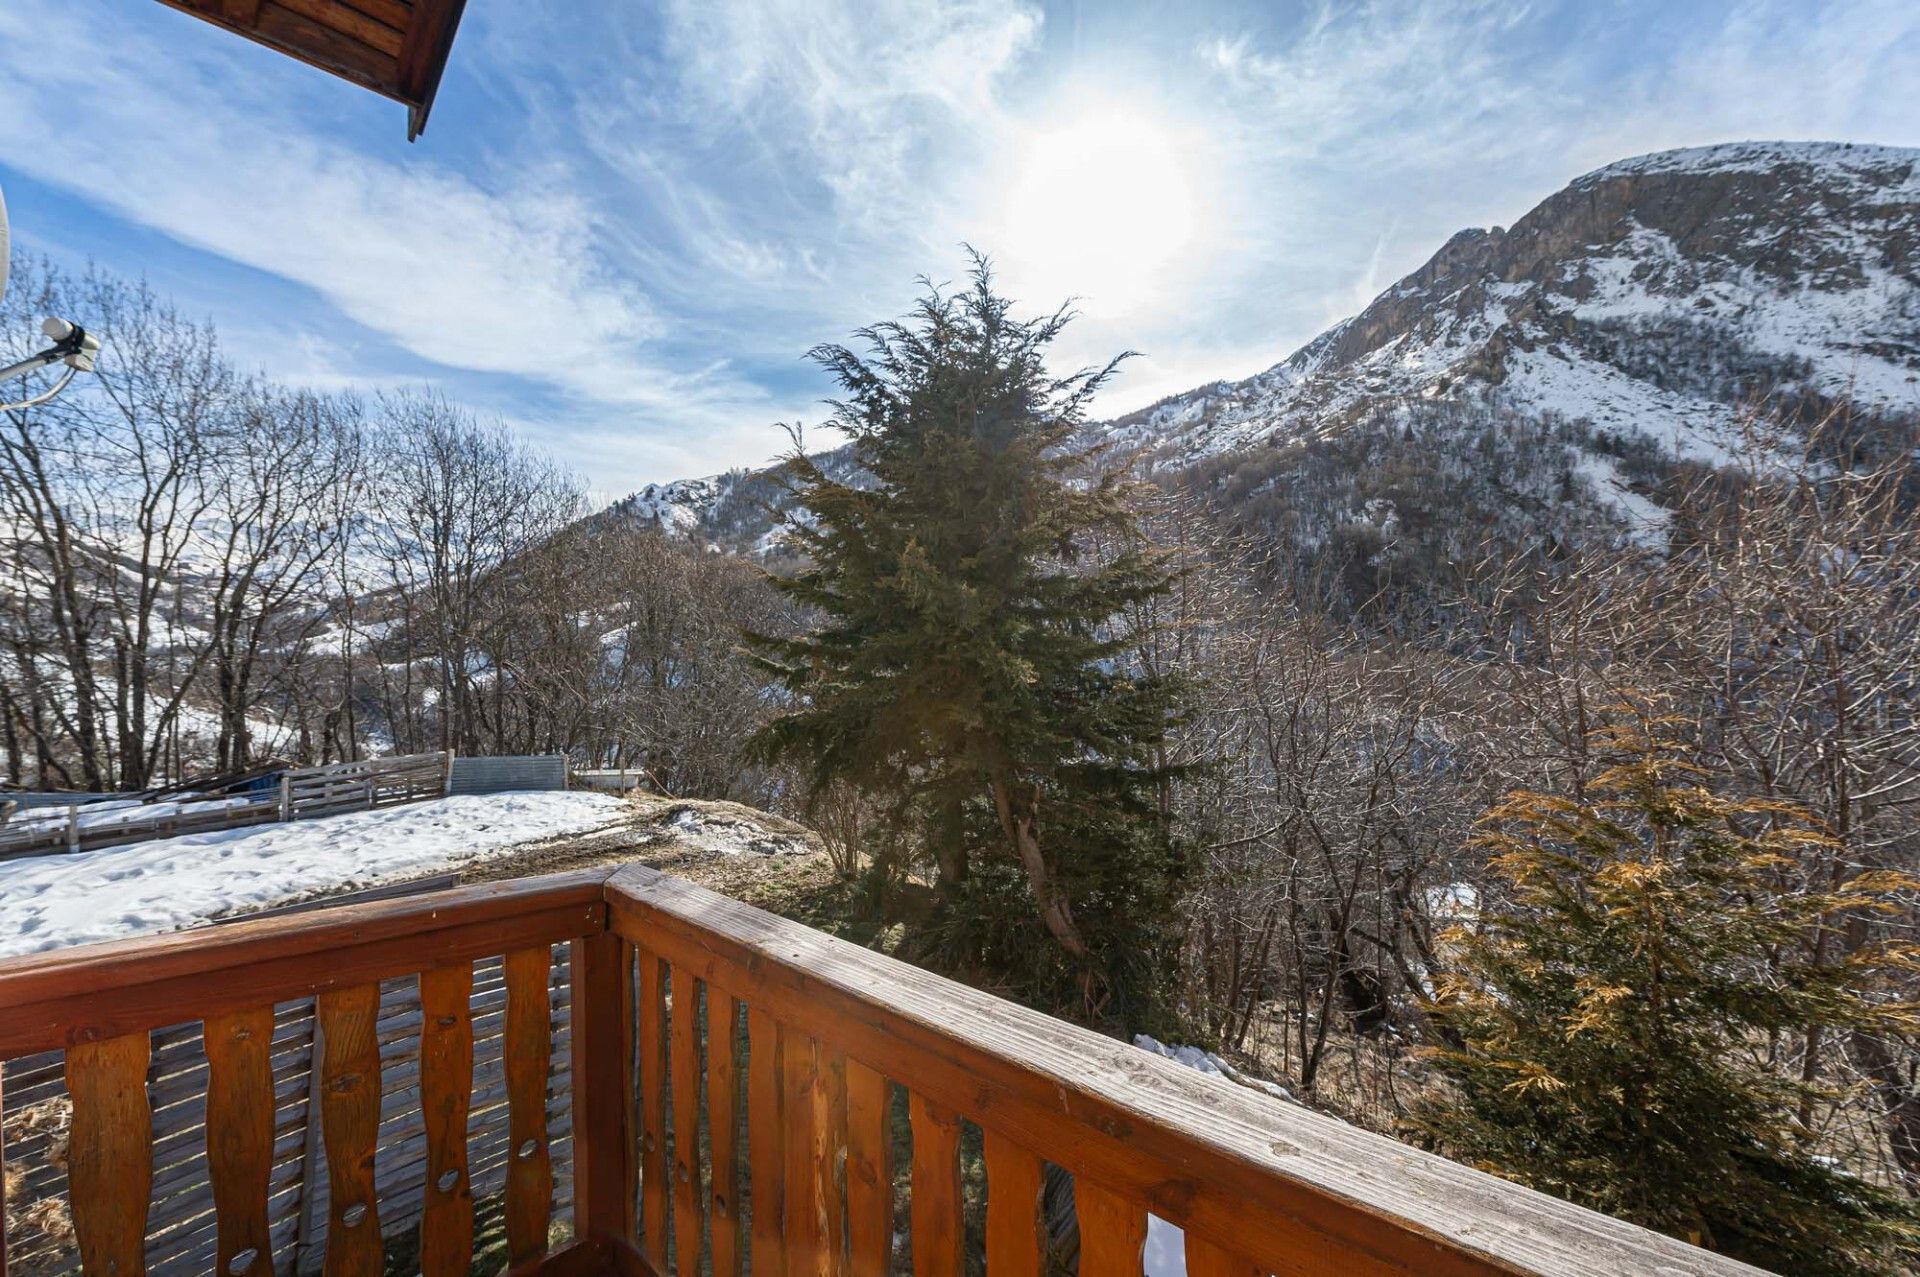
[
  {"x": 1287, "y": 1190},
  {"x": 53, "y": 1000},
  {"x": 723, "y": 1011}
]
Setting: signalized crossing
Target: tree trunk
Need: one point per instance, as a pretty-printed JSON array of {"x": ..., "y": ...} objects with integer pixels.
[
  {"x": 950, "y": 846},
  {"x": 1901, "y": 1102},
  {"x": 1017, "y": 819}
]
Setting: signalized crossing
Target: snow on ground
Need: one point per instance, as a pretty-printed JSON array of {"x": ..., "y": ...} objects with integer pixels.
[{"x": 47, "y": 902}]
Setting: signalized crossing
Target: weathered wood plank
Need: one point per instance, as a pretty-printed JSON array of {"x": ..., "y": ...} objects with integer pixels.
[
  {"x": 805, "y": 1225},
  {"x": 1201, "y": 1152},
  {"x": 446, "y": 1090},
  {"x": 3, "y": 1171},
  {"x": 1014, "y": 1182},
  {"x": 937, "y": 1233},
  {"x": 350, "y": 1125},
  {"x": 723, "y": 1132},
  {"x": 766, "y": 1129},
  {"x": 109, "y": 1154},
  {"x": 651, "y": 1038},
  {"x": 239, "y": 1132},
  {"x": 529, "y": 1058},
  {"x": 684, "y": 1032},
  {"x": 869, "y": 1171},
  {"x": 604, "y": 1156},
  {"x": 1113, "y": 1231},
  {"x": 105, "y": 990},
  {"x": 830, "y": 1154}
]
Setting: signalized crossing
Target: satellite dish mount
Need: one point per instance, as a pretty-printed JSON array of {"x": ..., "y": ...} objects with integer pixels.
[{"x": 72, "y": 345}]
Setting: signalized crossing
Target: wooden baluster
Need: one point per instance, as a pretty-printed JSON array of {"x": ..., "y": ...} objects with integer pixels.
[
  {"x": 1206, "y": 1259},
  {"x": 1014, "y": 1184},
  {"x": 110, "y": 1153},
  {"x": 1113, "y": 1231},
  {"x": 528, "y": 1048},
  {"x": 605, "y": 1155},
  {"x": 869, "y": 1170},
  {"x": 829, "y": 1141},
  {"x": 723, "y": 1130},
  {"x": 653, "y": 1112},
  {"x": 446, "y": 1094},
  {"x": 804, "y": 1227},
  {"x": 350, "y": 1125},
  {"x": 935, "y": 1206},
  {"x": 240, "y": 1137},
  {"x": 766, "y": 1131},
  {"x": 685, "y": 1065},
  {"x": 3, "y": 1169}
]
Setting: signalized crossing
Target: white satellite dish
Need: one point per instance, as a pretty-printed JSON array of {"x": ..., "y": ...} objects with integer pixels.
[{"x": 72, "y": 345}]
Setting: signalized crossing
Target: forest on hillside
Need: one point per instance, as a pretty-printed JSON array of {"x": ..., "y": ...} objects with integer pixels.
[{"x": 1386, "y": 767}]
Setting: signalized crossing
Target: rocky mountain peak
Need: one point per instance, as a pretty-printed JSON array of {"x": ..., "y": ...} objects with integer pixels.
[{"x": 1651, "y": 294}]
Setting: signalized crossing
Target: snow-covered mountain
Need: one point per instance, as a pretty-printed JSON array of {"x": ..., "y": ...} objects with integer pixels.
[
  {"x": 1654, "y": 296},
  {"x": 734, "y": 511},
  {"x": 1636, "y": 315}
]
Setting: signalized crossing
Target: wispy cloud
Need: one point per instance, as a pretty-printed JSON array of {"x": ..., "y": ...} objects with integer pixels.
[{"x": 471, "y": 271}]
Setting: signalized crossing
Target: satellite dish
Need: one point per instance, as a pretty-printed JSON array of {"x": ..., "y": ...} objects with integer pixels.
[{"x": 6, "y": 255}]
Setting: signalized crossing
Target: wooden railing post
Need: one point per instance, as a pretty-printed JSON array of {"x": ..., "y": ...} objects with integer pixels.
[{"x": 605, "y": 1186}]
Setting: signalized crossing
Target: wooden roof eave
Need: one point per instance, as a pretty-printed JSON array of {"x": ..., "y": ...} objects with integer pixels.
[{"x": 396, "y": 48}]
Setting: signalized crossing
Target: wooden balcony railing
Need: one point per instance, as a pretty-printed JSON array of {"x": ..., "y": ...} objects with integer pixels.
[{"x": 731, "y": 1086}]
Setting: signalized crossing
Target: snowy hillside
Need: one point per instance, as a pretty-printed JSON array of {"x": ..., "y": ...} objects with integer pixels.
[
  {"x": 737, "y": 511},
  {"x": 47, "y": 902},
  {"x": 1652, "y": 296},
  {"x": 1627, "y": 322}
]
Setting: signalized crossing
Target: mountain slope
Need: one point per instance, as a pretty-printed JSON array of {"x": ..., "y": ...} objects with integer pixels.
[
  {"x": 1627, "y": 322},
  {"x": 1655, "y": 295}
]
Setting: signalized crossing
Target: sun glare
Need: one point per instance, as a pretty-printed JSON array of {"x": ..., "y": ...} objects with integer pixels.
[{"x": 1099, "y": 207}]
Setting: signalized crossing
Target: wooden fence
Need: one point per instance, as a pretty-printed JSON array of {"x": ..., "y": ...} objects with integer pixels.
[
  {"x": 304, "y": 792},
  {"x": 376, "y": 782},
  {"x": 739, "y": 1088},
  {"x": 181, "y": 1235}
]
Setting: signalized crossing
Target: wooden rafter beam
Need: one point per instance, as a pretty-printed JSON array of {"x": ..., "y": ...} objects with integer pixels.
[{"x": 396, "y": 48}]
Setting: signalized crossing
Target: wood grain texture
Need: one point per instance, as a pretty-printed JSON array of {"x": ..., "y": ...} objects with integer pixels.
[
  {"x": 1014, "y": 1182},
  {"x": 804, "y": 1230},
  {"x": 869, "y": 1171},
  {"x": 830, "y": 1153},
  {"x": 937, "y": 1233},
  {"x": 96, "y": 991},
  {"x": 684, "y": 1031},
  {"x": 110, "y": 1154},
  {"x": 1113, "y": 1231},
  {"x": 350, "y": 1125},
  {"x": 723, "y": 1132},
  {"x": 350, "y": 23},
  {"x": 651, "y": 1042},
  {"x": 3, "y": 1171},
  {"x": 1207, "y": 1259},
  {"x": 528, "y": 1051},
  {"x": 766, "y": 1143},
  {"x": 1294, "y": 1189},
  {"x": 446, "y": 1092},
  {"x": 239, "y": 1133},
  {"x": 605, "y": 1156}
]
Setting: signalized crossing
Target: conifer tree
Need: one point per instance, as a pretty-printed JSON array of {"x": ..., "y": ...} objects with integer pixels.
[
  {"x": 968, "y": 662},
  {"x": 1616, "y": 998}
]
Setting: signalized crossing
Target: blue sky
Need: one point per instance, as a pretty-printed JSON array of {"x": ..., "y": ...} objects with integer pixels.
[{"x": 628, "y": 221}]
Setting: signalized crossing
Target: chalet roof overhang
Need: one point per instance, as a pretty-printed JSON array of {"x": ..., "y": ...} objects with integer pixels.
[{"x": 397, "y": 48}]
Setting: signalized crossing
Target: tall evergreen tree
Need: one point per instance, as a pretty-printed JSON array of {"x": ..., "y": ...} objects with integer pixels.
[
  {"x": 969, "y": 662},
  {"x": 1615, "y": 1002}
]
